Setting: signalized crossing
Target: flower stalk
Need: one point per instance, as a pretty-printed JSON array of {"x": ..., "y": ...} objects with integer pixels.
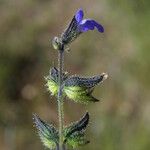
[{"x": 59, "y": 96}]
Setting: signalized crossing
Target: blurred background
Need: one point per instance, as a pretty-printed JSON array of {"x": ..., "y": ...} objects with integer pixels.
[{"x": 121, "y": 120}]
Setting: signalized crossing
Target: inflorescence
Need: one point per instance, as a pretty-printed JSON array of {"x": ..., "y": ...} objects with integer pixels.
[{"x": 76, "y": 88}]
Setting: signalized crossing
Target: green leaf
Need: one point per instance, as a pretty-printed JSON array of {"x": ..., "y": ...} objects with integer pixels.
[
  {"x": 79, "y": 89},
  {"x": 82, "y": 96},
  {"x": 74, "y": 134},
  {"x": 47, "y": 133},
  {"x": 52, "y": 86},
  {"x": 85, "y": 82}
]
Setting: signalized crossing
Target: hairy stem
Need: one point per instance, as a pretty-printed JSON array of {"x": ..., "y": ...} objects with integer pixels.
[
  {"x": 64, "y": 147},
  {"x": 57, "y": 147},
  {"x": 60, "y": 98}
]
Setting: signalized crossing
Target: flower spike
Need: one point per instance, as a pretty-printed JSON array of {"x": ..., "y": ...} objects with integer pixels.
[{"x": 76, "y": 88}]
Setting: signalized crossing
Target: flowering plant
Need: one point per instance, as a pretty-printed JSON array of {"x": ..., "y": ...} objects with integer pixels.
[{"x": 78, "y": 89}]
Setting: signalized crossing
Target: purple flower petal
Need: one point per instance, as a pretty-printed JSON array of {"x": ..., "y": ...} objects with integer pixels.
[
  {"x": 89, "y": 24},
  {"x": 98, "y": 26},
  {"x": 79, "y": 15}
]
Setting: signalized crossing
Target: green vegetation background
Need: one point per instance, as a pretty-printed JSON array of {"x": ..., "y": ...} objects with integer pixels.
[{"x": 121, "y": 121}]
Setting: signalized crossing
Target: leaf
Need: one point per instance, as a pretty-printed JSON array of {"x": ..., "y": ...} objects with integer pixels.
[
  {"x": 77, "y": 139},
  {"x": 81, "y": 95},
  {"x": 85, "y": 82},
  {"x": 79, "y": 125},
  {"x": 74, "y": 134},
  {"x": 79, "y": 89},
  {"x": 47, "y": 133},
  {"x": 76, "y": 88},
  {"x": 54, "y": 73},
  {"x": 52, "y": 86}
]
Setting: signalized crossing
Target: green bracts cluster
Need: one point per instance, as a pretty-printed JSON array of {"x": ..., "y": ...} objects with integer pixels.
[
  {"x": 73, "y": 135},
  {"x": 79, "y": 89}
]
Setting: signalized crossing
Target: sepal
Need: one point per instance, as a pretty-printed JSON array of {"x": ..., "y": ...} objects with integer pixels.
[{"x": 71, "y": 32}]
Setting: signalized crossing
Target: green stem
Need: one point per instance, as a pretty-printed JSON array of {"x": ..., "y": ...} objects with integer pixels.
[
  {"x": 57, "y": 147},
  {"x": 59, "y": 97}
]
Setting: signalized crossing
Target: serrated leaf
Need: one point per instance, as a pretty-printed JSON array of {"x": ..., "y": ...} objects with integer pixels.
[
  {"x": 47, "y": 133},
  {"x": 74, "y": 134}
]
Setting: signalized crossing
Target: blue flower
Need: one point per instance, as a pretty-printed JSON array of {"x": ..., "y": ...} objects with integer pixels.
[
  {"x": 77, "y": 26},
  {"x": 87, "y": 24}
]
